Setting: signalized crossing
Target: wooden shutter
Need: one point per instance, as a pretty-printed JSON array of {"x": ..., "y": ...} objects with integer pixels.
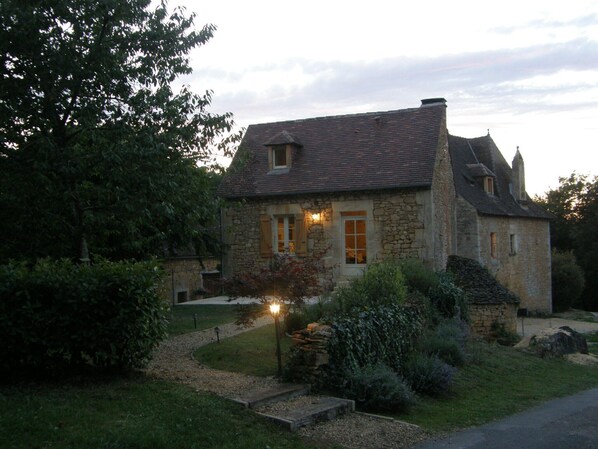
[
  {"x": 265, "y": 236},
  {"x": 301, "y": 236}
]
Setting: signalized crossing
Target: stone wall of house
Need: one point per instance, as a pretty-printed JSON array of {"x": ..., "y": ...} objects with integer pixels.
[
  {"x": 395, "y": 227},
  {"x": 468, "y": 233},
  {"x": 483, "y": 315},
  {"x": 444, "y": 204},
  {"x": 182, "y": 280},
  {"x": 523, "y": 269}
]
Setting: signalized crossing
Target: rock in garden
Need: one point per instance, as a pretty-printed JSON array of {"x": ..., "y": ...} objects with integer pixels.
[{"x": 556, "y": 342}]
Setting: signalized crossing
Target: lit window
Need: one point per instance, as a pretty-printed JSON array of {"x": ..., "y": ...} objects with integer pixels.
[
  {"x": 493, "y": 245},
  {"x": 279, "y": 156},
  {"x": 355, "y": 238},
  {"x": 285, "y": 235}
]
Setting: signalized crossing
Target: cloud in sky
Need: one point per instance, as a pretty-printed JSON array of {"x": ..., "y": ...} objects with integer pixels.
[{"x": 529, "y": 75}]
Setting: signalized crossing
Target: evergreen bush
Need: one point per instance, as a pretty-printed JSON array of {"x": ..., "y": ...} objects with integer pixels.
[
  {"x": 378, "y": 388},
  {"x": 418, "y": 277},
  {"x": 446, "y": 349},
  {"x": 58, "y": 317},
  {"x": 385, "y": 334},
  {"x": 429, "y": 375},
  {"x": 382, "y": 283},
  {"x": 449, "y": 300}
]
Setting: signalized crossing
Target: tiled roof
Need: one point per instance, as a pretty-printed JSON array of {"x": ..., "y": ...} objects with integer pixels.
[
  {"x": 372, "y": 151},
  {"x": 468, "y": 153}
]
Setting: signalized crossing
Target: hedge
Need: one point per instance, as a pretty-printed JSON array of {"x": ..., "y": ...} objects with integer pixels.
[{"x": 58, "y": 317}]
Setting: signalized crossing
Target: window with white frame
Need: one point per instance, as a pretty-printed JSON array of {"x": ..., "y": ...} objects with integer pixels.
[
  {"x": 354, "y": 224},
  {"x": 285, "y": 234}
]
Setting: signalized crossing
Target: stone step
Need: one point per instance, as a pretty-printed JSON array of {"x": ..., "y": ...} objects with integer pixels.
[
  {"x": 281, "y": 392},
  {"x": 323, "y": 409}
]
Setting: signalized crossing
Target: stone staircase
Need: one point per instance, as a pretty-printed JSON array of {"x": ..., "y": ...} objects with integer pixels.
[{"x": 292, "y": 407}]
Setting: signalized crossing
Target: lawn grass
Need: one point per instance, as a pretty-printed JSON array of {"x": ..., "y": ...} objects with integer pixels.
[
  {"x": 577, "y": 315},
  {"x": 252, "y": 352},
  {"x": 592, "y": 340},
  {"x": 180, "y": 317},
  {"x": 130, "y": 414},
  {"x": 500, "y": 381},
  {"x": 497, "y": 382}
]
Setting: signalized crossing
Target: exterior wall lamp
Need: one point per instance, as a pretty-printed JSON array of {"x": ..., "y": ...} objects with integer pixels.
[{"x": 316, "y": 217}]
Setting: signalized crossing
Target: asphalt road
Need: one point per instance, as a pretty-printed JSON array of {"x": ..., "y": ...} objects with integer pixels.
[{"x": 566, "y": 423}]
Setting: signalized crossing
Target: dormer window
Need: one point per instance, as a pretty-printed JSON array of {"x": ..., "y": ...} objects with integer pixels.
[
  {"x": 483, "y": 176},
  {"x": 279, "y": 156},
  {"x": 281, "y": 149},
  {"x": 489, "y": 185}
]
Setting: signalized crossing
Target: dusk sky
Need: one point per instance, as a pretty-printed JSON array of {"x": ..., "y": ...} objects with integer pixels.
[{"x": 525, "y": 70}]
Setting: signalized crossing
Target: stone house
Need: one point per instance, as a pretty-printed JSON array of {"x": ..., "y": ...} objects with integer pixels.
[
  {"x": 356, "y": 189},
  {"x": 497, "y": 223},
  {"x": 188, "y": 277}
]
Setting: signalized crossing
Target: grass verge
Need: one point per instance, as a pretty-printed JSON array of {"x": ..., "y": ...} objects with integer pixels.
[
  {"x": 252, "y": 352},
  {"x": 130, "y": 414},
  {"x": 500, "y": 381},
  {"x": 181, "y": 317}
]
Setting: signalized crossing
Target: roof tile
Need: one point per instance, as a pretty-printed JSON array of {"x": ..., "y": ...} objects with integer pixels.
[{"x": 371, "y": 151}]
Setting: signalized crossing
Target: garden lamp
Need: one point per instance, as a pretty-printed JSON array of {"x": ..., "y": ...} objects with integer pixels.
[{"x": 275, "y": 311}]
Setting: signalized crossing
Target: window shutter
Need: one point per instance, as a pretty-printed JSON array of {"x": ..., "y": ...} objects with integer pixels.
[
  {"x": 265, "y": 236},
  {"x": 301, "y": 238}
]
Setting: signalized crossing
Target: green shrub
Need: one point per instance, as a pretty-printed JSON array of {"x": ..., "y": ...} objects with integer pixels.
[
  {"x": 382, "y": 283},
  {"x": 296, "y": 320},
  {"x": 57, "y": 316},
  {"x": 453, "y": 329},
  {"x": 378, "y": 388},
  {"x": 429, "y": 375},
  {"x": 385, "y": 334},
  {"x": 567, "y": 280},
  {"x": 418, "y": 277},
  {"x": 446, "y": 349},
  {"x": 502, "y": 336},
  {"x": 449, "y": 300}
]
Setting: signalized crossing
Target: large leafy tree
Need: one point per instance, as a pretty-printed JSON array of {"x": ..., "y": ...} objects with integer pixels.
[
  {"x": 96, "y": 148},
  {"x": 575, "y": 206}
]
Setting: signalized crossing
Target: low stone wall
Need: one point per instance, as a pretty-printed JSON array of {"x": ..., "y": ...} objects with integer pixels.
[
  {"x": 483, "y": 315},
  {"x": 312, "y": 345}
]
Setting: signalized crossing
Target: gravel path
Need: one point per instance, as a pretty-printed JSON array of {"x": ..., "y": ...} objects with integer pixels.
[{"x": 173, "y": 360}]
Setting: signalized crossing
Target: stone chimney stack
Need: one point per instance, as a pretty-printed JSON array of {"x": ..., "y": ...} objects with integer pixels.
[{"x": 519, "y": 178}]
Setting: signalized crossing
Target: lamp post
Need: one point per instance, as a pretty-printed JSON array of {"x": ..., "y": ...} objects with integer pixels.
[{"x": 275, "y": 311}]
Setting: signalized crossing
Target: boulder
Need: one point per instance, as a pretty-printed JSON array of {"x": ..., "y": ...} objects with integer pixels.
[{"x": 556, "y": 342}]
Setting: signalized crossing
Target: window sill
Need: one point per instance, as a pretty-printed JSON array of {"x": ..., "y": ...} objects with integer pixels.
[{"x": 279, "y": 171}]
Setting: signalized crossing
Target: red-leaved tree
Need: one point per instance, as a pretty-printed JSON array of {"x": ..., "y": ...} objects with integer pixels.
[{"x": 287, "y": 280}]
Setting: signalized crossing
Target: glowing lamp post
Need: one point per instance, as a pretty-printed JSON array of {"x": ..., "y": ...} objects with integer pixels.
[{"x": 275, "y": 311}]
